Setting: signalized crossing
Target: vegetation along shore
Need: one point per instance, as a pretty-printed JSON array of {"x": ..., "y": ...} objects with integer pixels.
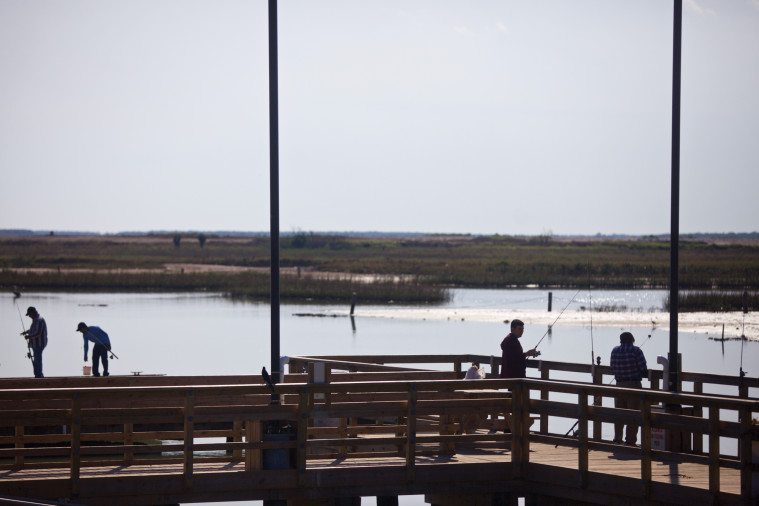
[{"x": 414, "y": 269}]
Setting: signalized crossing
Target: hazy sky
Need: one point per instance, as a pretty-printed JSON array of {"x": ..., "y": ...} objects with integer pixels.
[{"x": 489, "y": 116}]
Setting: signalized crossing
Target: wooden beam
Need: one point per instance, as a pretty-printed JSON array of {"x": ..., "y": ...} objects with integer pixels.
[
  {"x": 645, "y": 445},
  {"x": 411, "y": 433},
  {"x": 714, "y": 485},
  {"x": 582, "y": 454},
  {"x": 189, "y": 436},
  {"x": 75, "y": 459}
]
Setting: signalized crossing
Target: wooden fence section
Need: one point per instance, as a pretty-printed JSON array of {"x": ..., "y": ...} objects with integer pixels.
[
  {"x": 598, "y": 374},
  {"x": 398, "y": 435}
]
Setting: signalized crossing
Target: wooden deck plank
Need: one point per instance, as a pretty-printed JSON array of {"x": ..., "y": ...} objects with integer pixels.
[{"x": 625, "y": 463}]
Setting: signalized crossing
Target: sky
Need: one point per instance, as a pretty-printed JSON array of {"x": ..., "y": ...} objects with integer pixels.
[{"x": 443, "y": 116}]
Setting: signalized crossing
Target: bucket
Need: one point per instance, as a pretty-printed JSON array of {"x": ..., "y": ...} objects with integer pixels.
[{"x": 86, "y": 370}]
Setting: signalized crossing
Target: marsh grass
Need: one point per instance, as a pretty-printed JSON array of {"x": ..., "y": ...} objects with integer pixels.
[
  {"x": 714, "y": 301},
  {"x": 432, "y": 260},
  {"x": 250, "y": 285}
]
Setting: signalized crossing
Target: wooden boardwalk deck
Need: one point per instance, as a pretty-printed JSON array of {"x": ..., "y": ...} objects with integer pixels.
[
  {"x": 471, "y": 464},
  {"x": 361, "y": 434}
]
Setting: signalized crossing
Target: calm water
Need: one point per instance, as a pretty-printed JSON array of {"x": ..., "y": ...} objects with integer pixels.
[{"x": 208, "y": 334}]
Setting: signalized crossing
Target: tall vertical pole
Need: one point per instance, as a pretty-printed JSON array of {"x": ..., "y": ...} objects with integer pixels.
[
  {"x": 675, "y": 199},
  {"x": 274, "y": 188}
]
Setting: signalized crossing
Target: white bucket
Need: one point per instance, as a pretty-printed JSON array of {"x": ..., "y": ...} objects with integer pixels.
[{"x": 87, "y": 370}]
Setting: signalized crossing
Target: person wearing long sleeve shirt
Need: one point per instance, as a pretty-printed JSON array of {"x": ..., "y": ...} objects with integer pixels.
[
  {"x": 629, "y": 366},
  {"x": 101, "y": 346},
  {"x": 513, "y": 357},
  {"x": 37, "y": 337}
]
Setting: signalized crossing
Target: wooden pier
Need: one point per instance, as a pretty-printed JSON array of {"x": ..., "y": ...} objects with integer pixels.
[{"x": 350, "y": 427}]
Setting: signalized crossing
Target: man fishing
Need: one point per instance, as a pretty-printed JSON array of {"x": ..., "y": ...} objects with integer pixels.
[
  {"x": 102, "y": 345},
  {"x": 513, "y": 358},
  {"x": 629, "y": 366},
  {"x": 37, "y": 338}
]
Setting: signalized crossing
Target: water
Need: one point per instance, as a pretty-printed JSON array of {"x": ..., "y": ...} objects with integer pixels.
[{"x": 208, "y": 334}]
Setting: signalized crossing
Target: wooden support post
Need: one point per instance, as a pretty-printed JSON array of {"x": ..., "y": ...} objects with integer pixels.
[
  {"x": 714, "y": 452},
  {"x": 342, "y": 433},
  {"x": 76, "y": 441},
  {"x": 698, "y": 437},
  {"x": 550, "y": 301},
  {"x": 457, "y": 368},
  {"x": 582, "y": 453},
  {"x": 411, "y": 433},
  {"x": 19, "y": 443},
  {"x": 494, "y": 369},
  {"x": 189, "y": 436},
  {"x": 744, "y": 454},
  {"x": 253, "y": 456},
  {"x": 597, "y": 401},
  {"x": 645, "y": 446},
  {"x": 128, "y": 441},
  {"x": 237, "y": 433},
  {"x": 518, "y": 438},
  {"x": 304, "y": 403},
  {"x": 545, "y": 374},
  {"x": 446, "y": 424}
]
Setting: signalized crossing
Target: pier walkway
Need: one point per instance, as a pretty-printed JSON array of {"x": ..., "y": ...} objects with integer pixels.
[{"x": 373, "y": 430}]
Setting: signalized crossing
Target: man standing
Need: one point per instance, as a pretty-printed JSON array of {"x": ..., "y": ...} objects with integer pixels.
[
  {"x": 513, "y": 363},
  {"x": 37, "y": 337},
  {"x": 102, "y": 345},
  {"x": 629, "y": 366}
]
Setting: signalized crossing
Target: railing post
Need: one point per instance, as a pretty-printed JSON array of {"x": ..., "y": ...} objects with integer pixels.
[
  {"x": 744, "y": 454},
  {"x": 545, "y": 374},
  {"x": 520, "y": 445},
  {"x": 303, "y": 408},
  {"x": 253, "y": 456},
  {"x": 698, "y": 437},
  {"x": 645, "y": 446},
  {"x": 582, "y": 453},
  {"x": 597, "y": 401},
  {"x": 411, "y": 433},
  {"x": 237, "y": 433},
  {"x": 714, "y": 452},
  {"x": 19, "y": 443},
  {"x": 76, "y": 435},
  {"x": 457, "y": 367},
  {"x": 189, "y": 435}
]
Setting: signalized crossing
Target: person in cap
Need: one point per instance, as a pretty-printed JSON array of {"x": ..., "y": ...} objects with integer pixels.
[
  {"x": 629, "y": 366},
  {"x": 513, "y": 357},
  {"x": 101, "y": 346},
  {"x": 37, "y": 337}
]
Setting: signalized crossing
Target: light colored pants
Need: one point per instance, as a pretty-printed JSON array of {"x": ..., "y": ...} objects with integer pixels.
[{"x": 631, "y": 434}]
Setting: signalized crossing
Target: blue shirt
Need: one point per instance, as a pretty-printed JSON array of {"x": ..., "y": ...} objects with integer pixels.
[
  {"x": 628, "y": 363},
  {"x": 97, "y": 336}
]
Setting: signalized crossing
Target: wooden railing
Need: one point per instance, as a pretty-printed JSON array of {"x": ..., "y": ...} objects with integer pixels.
[
  {"x": 405, "y": 418},
  {"x": 598, "y": 374}
]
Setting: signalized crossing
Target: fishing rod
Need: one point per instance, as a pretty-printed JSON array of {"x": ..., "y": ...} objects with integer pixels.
[
  {"x": 598, "y": 362},
  {"x": 113, "y": 355},
  {"x": 16, "y": 295},
  {"x": 557, "y": 319}
]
